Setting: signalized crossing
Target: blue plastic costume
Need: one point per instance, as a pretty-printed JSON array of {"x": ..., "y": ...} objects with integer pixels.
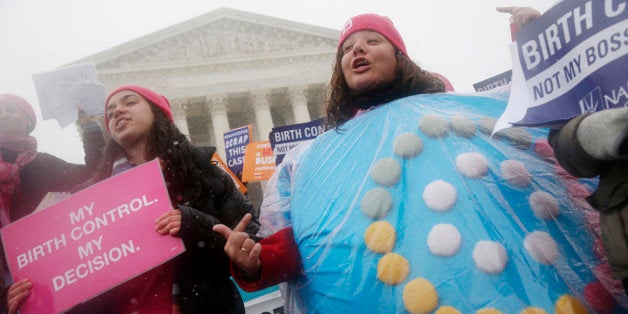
[{"x": 482, "y": 246}]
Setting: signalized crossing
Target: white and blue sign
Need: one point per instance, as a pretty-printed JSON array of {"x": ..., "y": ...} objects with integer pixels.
[
  {"x": 498, "y": 80},
  {"x": 573, "y": 60},
  {"x": 284, "y": 138},
  {"x": 235, "y": 144}
]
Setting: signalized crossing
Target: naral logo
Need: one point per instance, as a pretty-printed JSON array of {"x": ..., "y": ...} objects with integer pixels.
[
  {"x": 590, "y": 101},
  {"x": 616, "y": 98}
]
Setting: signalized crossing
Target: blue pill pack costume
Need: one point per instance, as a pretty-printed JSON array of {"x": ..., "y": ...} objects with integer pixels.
[{"x": 412, "y": 207}]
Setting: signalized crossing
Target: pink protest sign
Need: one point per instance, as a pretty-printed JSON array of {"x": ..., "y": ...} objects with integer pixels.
[{"x": 92, "y": 241}]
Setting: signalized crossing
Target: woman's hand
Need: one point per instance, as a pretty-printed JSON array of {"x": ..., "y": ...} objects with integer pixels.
[
  {"x": 17, "y": 294},
  {"x": 242, "y": 250},
  {"x": 169, "y": 223},
  {"x": 521, "y": 16}
]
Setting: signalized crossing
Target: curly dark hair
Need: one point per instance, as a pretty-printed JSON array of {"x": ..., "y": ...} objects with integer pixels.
[
  {"x": 341, "y": 102},
  {"x": 178, "y": 156}
]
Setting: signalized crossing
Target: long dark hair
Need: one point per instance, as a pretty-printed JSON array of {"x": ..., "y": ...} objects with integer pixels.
[
  {"x": 410, "y": 80},
  {"x": 178, "y": 156}
]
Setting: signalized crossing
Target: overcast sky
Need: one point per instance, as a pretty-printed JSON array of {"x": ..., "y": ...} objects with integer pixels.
[{"x": 467, "y": 41}]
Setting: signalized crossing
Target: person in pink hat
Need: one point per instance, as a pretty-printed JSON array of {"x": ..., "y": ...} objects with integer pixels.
[
  {"x": 372, "y": 68},
  {"x": 141, "y": 128},
  {"x": 26, "y": 175}
]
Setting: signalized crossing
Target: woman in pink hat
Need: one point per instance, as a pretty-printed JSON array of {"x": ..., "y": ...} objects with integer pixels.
[
  {"x": 26, "y": 176},
  {"x": 141, "y": 127},
  {"x": 372, "y": 68}
]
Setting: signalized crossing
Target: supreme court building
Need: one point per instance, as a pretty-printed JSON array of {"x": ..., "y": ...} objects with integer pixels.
[{"x": 226, "y": 69}]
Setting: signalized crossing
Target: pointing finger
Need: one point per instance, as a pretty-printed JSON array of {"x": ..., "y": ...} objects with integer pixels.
[
  {"x": 243, "y": 223},
  {"x": 506, "y": 9}
]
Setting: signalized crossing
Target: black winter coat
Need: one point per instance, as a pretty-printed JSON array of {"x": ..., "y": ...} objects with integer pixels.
[
  {"x": 202, "y": 272},
  {"x": 47, "y": 173}
]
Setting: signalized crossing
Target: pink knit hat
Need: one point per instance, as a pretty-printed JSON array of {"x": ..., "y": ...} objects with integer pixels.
[
  {"x": 374, "y": 22},
  {"x": 24, "y": 105},
  {"x": 158, "y": 100}
]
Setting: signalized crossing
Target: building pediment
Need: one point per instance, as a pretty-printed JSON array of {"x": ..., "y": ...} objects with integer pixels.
[{"x": 221, "y": 36}]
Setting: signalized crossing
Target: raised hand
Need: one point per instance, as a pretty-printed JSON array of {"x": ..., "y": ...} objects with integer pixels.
[
  {"x": 521, "y": 16},
  {"x": 242, "y": 250}
]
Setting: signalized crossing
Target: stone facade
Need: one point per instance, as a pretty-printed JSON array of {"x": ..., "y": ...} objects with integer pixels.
[{"x": 226, "y": 69}]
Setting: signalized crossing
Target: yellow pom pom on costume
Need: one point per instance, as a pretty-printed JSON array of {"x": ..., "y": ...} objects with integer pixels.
[
  {"x": 380, "y": 237},
  {"x": 567, "y": 304},
  {"x": 533, "y": 310},
  {"x": 447, "y": 310},
  {"x": 419, "y": 296},
  {"x": 393, "y": 269},
  {"x": 489, "y": 311}
]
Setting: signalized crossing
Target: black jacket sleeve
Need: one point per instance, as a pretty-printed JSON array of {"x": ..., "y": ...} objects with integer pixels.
[
  {"x": 226, "y": 206},
  {"x": 612, "y": 187},
  {"x": 570, "y": 154},
  {"x": 93, "y": 145}
]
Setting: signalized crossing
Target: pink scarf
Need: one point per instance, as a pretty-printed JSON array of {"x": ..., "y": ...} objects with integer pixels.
[{"x": 26, "y": 149}]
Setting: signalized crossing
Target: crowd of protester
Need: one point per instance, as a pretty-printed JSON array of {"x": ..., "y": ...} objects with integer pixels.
[{"x": 372, "y": 69}]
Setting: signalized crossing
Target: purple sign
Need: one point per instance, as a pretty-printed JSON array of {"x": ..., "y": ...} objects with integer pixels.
[
  {"x": 284, "y": 138},
  {"x": 573, "y": 60},
  {"x": 235, "y": 144}
]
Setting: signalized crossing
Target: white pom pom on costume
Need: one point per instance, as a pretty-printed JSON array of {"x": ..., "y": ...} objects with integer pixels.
[
  {"x": 433, "y": 126},
  {"x": 518, "y": 137},
  {"x": 376, "y": 203},
  {"x": 444, "y": 240},
  {"x": 386, "y": 172},
  {"x": 486, "y": 125},
  {"x": 463, "y": 126},
  {"x": 440, "y": 196},
  {"x": 490, "y": 257},
  {"x": 515, "y": 172},
  {"x": 472, "y": 165},
  {"x": 544, "y": 205},
  {"x": 407, "y": 145},
  {"x": 541, "y": 247}
]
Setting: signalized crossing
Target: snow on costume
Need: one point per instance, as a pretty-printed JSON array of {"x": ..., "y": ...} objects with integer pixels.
[{"x": 412, "y": 207}]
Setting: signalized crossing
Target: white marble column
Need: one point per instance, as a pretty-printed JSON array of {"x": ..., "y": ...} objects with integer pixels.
[
  {"x": 299, "y": 104},
  {"x": 218, "y": 111},
  {"x": 263, "y": 117},
  {"x": 180, "y": 119}
]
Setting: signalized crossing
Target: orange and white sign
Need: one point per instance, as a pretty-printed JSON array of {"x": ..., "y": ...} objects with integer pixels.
[{"x": 259, "y": 162}]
